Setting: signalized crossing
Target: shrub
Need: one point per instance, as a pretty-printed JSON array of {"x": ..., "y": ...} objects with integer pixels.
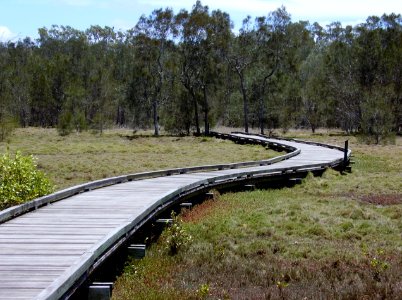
[
  {"x": 69, "y": 121},
  {"x": 65, "y": 124},
  {"x": 203, "y": 291},
  {"x": 377, "y": 119},
  {"x": 175, "y": 236},
  {"x": 7, "y": 125},
  {"x": 20, "y": 181}
]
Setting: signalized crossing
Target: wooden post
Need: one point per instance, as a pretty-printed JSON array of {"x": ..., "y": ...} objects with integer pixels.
[
  {"x": 209, "y": 196},
  {"x": 345, "y": 154},
  {"x": 187, "y": 205},
  {"x": 249, "y": 187},
  {"x": 164, "y": 222},
  {"x": 294, "y": 181},
  {"x": 100, "y": 291},
  {"x": 137, "y": 251}
]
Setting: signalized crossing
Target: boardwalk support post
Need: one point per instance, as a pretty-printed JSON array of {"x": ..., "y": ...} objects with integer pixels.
[
  {"x": 249, "y": 187},
  {"x": 209, "y": 196},
  {"x": 294, "y": 181},
  {"x": 186, "y": 205},
  {"x": 164, "y": 222},
  {"x": 100, "y": 291},
  {"x": 346, "y": 166},
  {"x": 137, "y": 251}
]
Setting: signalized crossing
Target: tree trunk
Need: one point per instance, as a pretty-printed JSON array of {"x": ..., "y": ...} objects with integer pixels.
[
  {"x": 261, "y": 115},
  {"x": 206, "y": 124},
  {"x": 120, "y": 116},
  {"x": 245, "y": 103},
  {"x": 156, "y": 117},
  {"x": 196, "y": 117},
  {"x": 101, "y": 124}
]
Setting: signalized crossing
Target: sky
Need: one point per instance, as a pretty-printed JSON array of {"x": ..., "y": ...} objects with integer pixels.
[{"x": 22, "y": 18}]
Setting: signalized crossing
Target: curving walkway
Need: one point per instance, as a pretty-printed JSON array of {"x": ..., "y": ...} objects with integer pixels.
[{"x": 45, "y": 251}]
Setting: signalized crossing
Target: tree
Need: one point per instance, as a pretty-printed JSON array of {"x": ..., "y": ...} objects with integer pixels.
[
  {"x": 204, "y": 42},
  {"x": 101, "y": 85},
  {"x": 314, "y": 94},
  {"x": 377, "y": 119},
  {"x": 41, "y": 101},
  {"x": 342, "y": 82},
  {"x": 19, "y": 64},
  {"x": 192, "y": 33},
  {"x": 153, "y": 36},
  {"x": 255, "y": 57},
  {"x": 6, "y": 122},
  {"x": 241, "y": 57}
]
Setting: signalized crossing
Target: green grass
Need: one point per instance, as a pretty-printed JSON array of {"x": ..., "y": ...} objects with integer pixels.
[
  {"x": 332, "y": 237},
  {"x": 84, "y": 157}
]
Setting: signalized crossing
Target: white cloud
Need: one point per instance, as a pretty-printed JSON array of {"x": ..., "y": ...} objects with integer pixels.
[{"x": 6, "y": 34}]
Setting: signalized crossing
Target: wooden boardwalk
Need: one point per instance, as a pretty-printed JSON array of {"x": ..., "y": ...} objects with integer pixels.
[{"x": 43, "y": 252}]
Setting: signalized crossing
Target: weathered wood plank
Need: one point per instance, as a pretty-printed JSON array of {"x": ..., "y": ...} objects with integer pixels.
[
  {"x": 16, "y": 294},
  {"x": 29, "y": 284}
]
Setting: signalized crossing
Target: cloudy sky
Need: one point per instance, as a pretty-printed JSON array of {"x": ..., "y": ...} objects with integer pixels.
[{"x": 21, "y": 18}]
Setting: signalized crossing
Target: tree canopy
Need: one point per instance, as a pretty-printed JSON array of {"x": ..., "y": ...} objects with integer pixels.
[{"x": 190, "y": 71}]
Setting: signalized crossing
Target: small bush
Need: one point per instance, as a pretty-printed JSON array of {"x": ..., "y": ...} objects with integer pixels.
[
  {"x": 7, "y": 125},
  {"x": 175, "y": 237},
  {"x": 203, "y": 291},
  {"x": 65, "y": 124},
  {"x": 20, "y": 181},
  {"x": 69, "y": 121}
]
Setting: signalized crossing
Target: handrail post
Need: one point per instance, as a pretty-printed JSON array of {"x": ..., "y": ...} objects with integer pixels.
[{"x": 345, "y": 154}]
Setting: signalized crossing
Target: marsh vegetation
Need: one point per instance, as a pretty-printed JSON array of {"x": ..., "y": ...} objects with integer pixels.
[
  {"x": 84, "y": 157},
  {"x": 332, "y": 237}
]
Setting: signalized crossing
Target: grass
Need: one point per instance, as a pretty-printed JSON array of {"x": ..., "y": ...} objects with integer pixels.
[
  {"x": 84, "y": 157},
  {"x": 332, "y": 237}
]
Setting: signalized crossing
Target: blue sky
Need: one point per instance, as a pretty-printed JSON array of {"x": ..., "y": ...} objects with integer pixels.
[{"x": 21, "y": 18}]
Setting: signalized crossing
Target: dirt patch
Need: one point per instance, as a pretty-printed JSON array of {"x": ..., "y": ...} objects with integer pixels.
[
  {"x": 376, "y": 199},
  {"x": 382, "y": 199}
]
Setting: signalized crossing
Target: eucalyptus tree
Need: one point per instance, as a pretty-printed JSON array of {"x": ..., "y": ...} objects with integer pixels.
[
  {"x": 272, "y": 35},
  {"x": 204, "y": 41},
  {"x": 5, "y": 98},
  {"x": 392, "y": 37},
  {"x": 153, "y": 35},
  {"x": 101, "y": 84},
  {"x": 296, "y": 71},
  {"x": 313, "y": 93},
  {"x": 255, "y": 56},
  {"x": 379, "y": 74},
  {"x": 192, "y": 28},
  {"x": 341, "y": 76},
  {"x": 123, "y": 61},
  {"x": 241, "y": 56},
  {"x": 19, "y": 78}
]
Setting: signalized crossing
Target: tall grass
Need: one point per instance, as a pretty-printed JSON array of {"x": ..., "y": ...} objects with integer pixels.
[{"x": 83, "y": 157}]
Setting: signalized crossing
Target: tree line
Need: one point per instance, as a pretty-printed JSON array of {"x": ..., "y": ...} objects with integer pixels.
[{"x": 191, "y": 71}]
